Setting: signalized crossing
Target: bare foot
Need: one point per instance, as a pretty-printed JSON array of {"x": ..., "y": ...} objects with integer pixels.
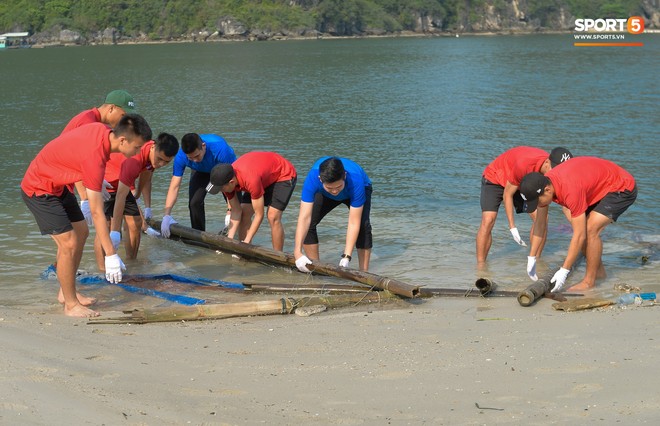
[
  {"x": 83, "y": 300},
  {"x": 80, "y": 311},
  {"x": 583, "y": 285}
]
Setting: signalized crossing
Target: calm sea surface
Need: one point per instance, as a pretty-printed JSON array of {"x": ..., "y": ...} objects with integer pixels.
[{"x": 422, "y": 116}]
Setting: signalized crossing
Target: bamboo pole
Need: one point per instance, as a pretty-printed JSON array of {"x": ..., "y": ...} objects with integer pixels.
[
  {"x": 285, "y": 305},
  {"x": 293, "y": 288},
  {"x": 280, "y": 258},
  {"x": 535, "y": 291},
  {"x": 463, "y": 292}
]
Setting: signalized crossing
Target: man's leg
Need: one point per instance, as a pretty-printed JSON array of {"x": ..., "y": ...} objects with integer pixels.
[
  {"x": 276, "y": 228},
  {"x": 247, "y": 211},
  {"x": 196, "y": 196},
  {"x": 99, "y": 254},
  {"x": 311, "y": 251},
  {"x": 484, "y": 235},
  {"x": 364, "y": 255},
  {"x": 596, "y": 222},
  {"x": 68, "y": 251},
  {"x": 132, "y": 234}
]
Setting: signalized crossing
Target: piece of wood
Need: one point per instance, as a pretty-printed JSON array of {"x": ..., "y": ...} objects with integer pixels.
[
  {"x": 285, "y": 305},
  {"x": 463, "y": 292},
  {"x": 581, "y": 304},
  {"x": 309, "y": 287},
  {"x": 280, "y": 258},
  {"x": 537, "y": 290}
]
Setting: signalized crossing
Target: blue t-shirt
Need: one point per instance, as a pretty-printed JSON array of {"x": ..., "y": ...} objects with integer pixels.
[
  {"x": 356, "y": 181},
  {"x": 217, "y": 151}
]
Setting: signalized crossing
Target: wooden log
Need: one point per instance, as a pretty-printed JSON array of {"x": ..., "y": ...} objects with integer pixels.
[
  {"x": 285, "y": 305},
  {"x": 280, "y": 258}
]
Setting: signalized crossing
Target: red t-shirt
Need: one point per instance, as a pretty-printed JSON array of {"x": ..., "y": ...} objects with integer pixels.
[
  {"x": 132, "y": 167},
  {"x": 77, "y": 155},
  {"x": 256, "y": 171},
  {"x": 584, "y": 181},
  {"x": 89, "y": 116},
  {"x": 515, "y": 163}
]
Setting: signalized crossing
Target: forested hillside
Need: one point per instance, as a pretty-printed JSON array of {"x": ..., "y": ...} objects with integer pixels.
[{"x": 91, "y": 21}]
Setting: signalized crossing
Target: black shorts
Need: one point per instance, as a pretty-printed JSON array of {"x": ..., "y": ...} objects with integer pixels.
[
  {"x": 323, "y": 205},
  {"x": 277, "y": 195},
  {"x": 614, "y": 204},
  {"x": 130, "y": 207},
  {"x": 54, "y": 214},
  {"x": 492, "y": 195}
]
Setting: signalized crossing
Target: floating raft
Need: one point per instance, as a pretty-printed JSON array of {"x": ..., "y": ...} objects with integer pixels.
[{"x": 250, "y": 251}]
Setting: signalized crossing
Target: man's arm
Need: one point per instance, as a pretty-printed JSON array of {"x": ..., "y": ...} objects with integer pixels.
[
  {"x": 100, "y": 223},
  {"x": 578, "y": 239},
  {"x": 172, "y": 194},
  {"x": 82, "y": 191},
  {"x": 235, "y": 218},
  {"x": 304, "y": 220},
  {"x": 258, "y": 207},
  {"x": 354, "y": 220},
  {"x": 120, "y": 203},
  {"x": 509, "y": 190},
  {"x": 539, "y": 228}
]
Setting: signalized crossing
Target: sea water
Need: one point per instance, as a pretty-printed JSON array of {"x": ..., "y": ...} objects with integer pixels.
[{"x": 423, "y": 116}]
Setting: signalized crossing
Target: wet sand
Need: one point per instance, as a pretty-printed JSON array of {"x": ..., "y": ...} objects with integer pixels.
[{"x": 439, "y": 361}]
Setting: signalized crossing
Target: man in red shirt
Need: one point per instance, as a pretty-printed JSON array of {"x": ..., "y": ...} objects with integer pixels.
[
  {"x": 78, "y": 155},
  {"x": 266, "y": 179},
  {"x": 596, "y": 192},
  {"x": 500, "y": 182},
  {"x": 121, "y": 173},
  {"x": 117, "y": 104}
]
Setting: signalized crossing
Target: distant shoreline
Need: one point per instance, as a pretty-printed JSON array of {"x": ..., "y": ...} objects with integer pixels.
[{"x": 407, "y": 34}]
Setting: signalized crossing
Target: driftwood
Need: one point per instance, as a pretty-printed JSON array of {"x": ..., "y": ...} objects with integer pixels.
[
  {"x": 581, "y": 304},
  {"x": 280, "y": 258},
  {"x": 285, "y": 305}
]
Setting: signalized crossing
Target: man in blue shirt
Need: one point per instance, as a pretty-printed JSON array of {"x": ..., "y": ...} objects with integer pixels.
[
  {"x": 200, "y": 153},
  {"x": 331, "y": 182}
]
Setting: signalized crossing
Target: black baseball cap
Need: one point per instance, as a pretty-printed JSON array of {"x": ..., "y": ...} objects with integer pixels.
[
  {"x": 531, "y": 187},
  {"x": 559, "y": 155},
  {"x": 221, "y": 174}
]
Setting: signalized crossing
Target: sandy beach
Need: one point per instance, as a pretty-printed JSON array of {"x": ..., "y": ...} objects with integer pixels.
[{"x": 435, "y": 361}]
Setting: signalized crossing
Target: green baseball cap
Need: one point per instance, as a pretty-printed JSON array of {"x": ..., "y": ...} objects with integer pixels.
[{"x": 122, "y": 99}]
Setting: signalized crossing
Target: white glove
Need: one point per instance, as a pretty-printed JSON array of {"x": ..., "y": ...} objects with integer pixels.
[
  {"x": 147, "y": 213},
  {"x": 113, "y": 268},
  {"x": 302, "y": 262},
  {"x": 165, "y": 225},
  {"x": 344, "y": 262},
  {"x": 104, "y": 190},
  {"x": 115, "y": 237},
  {"x": 531, "y": 268},
  {"x": 152, "y": 232},
  {"x": 516, "y": 237},
  {"x": 559, "y": 279},
  {"x": 227, "y": 219},
  {"x": 87, "y": 212}
]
